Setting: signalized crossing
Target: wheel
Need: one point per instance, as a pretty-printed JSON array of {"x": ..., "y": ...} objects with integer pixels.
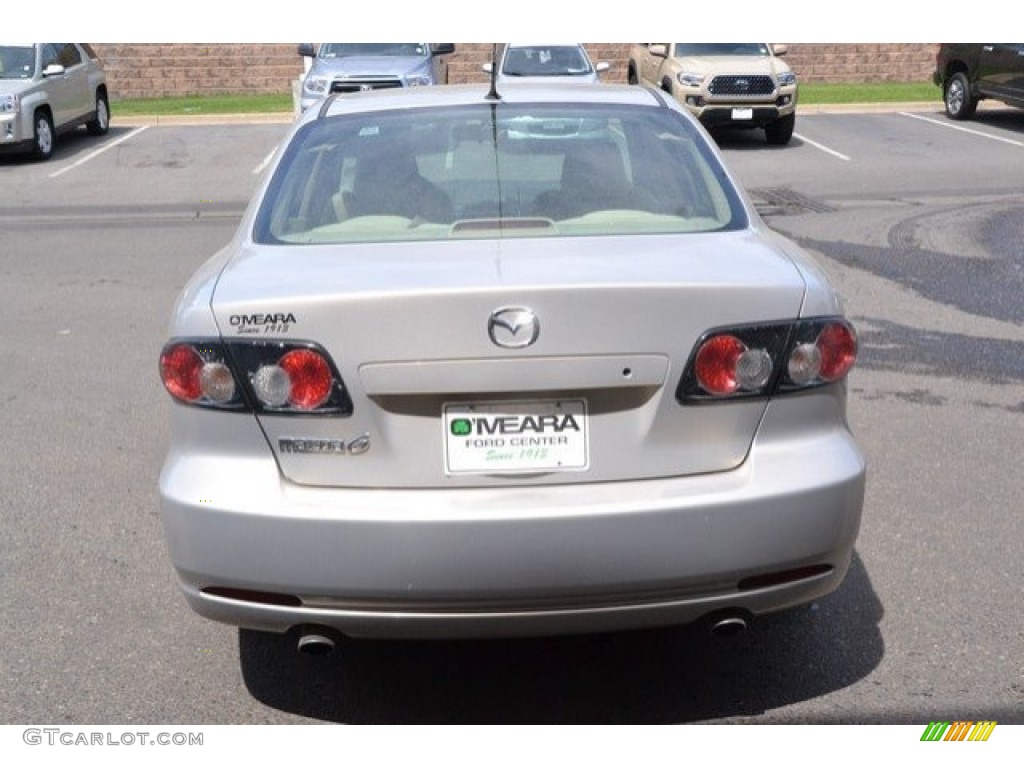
[
  {"x": 960, "y": 104},
  {"x": 781, "y": 131},
  {"x": 42, "y": 136},
  {"x": 100, "y": 124}
]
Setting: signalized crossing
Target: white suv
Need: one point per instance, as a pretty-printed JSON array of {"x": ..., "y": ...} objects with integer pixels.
[{"x": 47, "y": 89}]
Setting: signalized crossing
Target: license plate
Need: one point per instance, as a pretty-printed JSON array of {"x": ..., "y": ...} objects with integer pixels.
[
  {"x": 743, "y": 113},
  {"x": 515, "y": 437}
]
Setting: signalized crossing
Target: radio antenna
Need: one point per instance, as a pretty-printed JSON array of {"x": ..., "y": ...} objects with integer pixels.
[{"x": 492, "y": 95}]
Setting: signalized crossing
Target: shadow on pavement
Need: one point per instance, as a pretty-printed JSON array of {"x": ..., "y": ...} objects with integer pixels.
[{"x": 675, "y": 675}]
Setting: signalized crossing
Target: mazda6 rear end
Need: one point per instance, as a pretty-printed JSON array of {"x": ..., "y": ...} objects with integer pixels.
[{"x": 478, "y": 366}]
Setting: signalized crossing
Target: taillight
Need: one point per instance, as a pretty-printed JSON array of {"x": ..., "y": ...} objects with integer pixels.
[
  {"x": 301, "y": 378},
  {"x": 763, "y": 360},
  {"x": 725, "y": 365},
  {"x": 197, "y": 374},
  {"x": 266, "y": 377},
  {"x": 838, "y": 345},
  {"x": 180, "y": 367}
]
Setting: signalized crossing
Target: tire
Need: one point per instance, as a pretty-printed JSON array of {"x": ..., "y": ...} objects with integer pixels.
[
  {"x": 960, "y": 104},
  {"x": 781, "y": 131},
  {"x": 43, "y": 135},
  {"x": 100, "y": 124}
]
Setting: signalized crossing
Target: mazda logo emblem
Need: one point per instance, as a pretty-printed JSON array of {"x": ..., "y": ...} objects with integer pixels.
[{"x": 513, "y": 327}]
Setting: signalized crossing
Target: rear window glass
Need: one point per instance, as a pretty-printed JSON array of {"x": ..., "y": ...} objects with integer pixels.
[{"x": 488, "y": 171}]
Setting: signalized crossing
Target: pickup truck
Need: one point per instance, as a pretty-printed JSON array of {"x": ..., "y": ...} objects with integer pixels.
[
  {"x": 349, "y": 67},
  {"x": 740, "y": 85},
  {"x": 970, "y": 72}
]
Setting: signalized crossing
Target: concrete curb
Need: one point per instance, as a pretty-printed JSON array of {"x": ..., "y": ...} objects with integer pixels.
[
  {"x": 228, "y": 119},
  {"x": 288, "y": 117}
]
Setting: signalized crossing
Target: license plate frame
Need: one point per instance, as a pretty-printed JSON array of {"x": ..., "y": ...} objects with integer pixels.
[
  {"x": 743, "y": 113},
  {"x": 516, "y": 437}
]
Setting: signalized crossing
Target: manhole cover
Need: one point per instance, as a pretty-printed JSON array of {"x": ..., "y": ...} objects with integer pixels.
[{"x": 784, "y": 201}]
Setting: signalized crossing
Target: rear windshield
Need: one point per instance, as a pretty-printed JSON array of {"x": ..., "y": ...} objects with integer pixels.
[{"x": 488, "y": 171}]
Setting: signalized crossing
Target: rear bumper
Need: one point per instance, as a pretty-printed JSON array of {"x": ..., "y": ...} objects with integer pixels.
[{"x": 514, "y": 560}]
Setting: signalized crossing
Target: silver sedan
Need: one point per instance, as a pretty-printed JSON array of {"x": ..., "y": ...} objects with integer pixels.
[{"x": 478, "y": 366}]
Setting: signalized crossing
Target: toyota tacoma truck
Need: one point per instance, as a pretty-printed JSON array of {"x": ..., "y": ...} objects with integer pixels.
[
  {"x": 349, "y": 67},
  {"x": 970, "y": 72},
  {"x": 739, "y": 85}
]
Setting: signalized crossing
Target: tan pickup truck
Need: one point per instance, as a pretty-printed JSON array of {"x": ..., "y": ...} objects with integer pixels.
[{"x": 740, "y": 85}]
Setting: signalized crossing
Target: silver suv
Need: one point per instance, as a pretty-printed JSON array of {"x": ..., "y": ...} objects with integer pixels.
[{"x": 47, "y": 89}]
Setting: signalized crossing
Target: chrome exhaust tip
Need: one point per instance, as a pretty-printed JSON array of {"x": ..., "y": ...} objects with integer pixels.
[{"x": 315, "y": 642}]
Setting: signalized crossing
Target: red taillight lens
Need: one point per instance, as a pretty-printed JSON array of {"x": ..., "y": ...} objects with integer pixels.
[
  {"x": 310, "y": 376},
  {"x": 725, "y": 364},
  {"x": 180, "y": 369},
  {"x": 715, "y": 365},
  {"x": 196, "y": 374},
  {"x": 838, "y": 346}
]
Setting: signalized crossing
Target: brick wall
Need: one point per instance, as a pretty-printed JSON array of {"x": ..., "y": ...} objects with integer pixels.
[{"x": 139, "y": 70}]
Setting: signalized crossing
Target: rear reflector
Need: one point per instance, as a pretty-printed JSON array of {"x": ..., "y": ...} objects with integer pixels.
[{"x": 253, "y": 596}]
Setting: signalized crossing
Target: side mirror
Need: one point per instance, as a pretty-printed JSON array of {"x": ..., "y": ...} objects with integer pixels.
[
  {"x": 658, "y": 49},
  {"x": 53, "y": 70},
  {"x": 441, "y": 49},
  {"x": 780, "y": 49},
  {"x": 602, "y": 66},
  {"x": 488, "y": 67},
  {"x": 306, "y": 49}
]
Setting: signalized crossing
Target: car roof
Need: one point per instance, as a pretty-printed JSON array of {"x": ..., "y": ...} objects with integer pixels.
[{"x": 476, "y": 93}]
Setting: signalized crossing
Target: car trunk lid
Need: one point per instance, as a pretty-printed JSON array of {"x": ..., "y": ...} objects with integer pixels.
[{"x": 409, "y": 327}]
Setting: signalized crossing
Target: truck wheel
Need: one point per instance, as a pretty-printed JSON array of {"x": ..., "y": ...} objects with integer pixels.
[
  {"x": 960, "y": 104},
  {"x": 781, "y": 131}
]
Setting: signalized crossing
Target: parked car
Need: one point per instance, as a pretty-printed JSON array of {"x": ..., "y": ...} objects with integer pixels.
[
  {"x": 547, "y": 63},
  {"x": 352, "y": 67},
  {"x": 970, "y": 72},
  {"x": 47, "y": 89},
  {"x": 479, "y": 367},
  {"x": 739, "y": 85}
]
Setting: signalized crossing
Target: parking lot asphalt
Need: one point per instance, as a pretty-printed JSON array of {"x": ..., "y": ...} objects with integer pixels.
[{"x": 915, "y": 217}]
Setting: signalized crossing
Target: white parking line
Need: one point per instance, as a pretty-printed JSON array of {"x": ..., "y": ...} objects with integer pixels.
[
  {"x": 947, "y": 124},
  {"x": 822, "y": 147},
  {"x": 99, "y": 151},
  {"x": 266, "y": 161}
]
